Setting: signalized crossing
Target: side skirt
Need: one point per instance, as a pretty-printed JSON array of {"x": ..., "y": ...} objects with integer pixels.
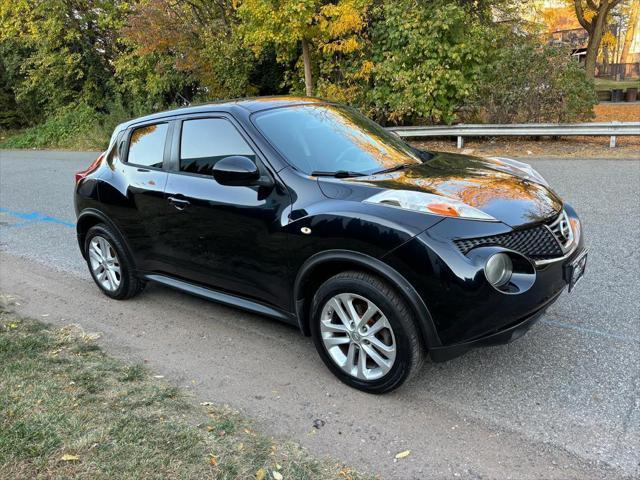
[{"x": 224, "y": 298}]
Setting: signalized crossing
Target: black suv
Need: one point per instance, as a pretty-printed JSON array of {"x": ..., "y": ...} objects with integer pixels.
[{"x": 306, "y": 211}]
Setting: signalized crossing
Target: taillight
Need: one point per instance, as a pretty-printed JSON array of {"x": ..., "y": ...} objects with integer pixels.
[{"x": 93, "y": 167}]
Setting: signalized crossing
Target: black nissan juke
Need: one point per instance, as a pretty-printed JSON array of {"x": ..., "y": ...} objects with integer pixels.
[{"x": 307, "y": 211}]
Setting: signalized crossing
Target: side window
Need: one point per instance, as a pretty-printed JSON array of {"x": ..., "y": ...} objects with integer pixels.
[
  {"x": 206, "y": 141},
  {"x": 146, "y": 146}
]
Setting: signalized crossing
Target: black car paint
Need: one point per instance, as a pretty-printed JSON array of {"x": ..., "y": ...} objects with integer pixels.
[
  {"x": 247, "y": 243},
  {"x": 510, "y": 199}
]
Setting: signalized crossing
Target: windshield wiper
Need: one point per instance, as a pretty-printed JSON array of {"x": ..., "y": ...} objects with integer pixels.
[
  {"x": 337, "y": 174},
  {"x": 393, "y": 169}
]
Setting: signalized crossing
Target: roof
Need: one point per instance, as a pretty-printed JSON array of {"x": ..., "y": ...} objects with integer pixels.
[{"x": 254, "y": 104}]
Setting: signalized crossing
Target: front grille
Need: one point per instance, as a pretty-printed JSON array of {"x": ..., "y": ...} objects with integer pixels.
[
  {"x": 561, "y": 229},
  {"x": 537, "y": 243}
]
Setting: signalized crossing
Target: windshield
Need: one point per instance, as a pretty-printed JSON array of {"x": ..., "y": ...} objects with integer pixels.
[{"x": 330, "y": 138}]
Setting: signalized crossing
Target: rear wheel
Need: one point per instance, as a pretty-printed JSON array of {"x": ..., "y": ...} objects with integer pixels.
[
  {"x": 110, "y": 264},
  {"x": 365, "y": 332}
]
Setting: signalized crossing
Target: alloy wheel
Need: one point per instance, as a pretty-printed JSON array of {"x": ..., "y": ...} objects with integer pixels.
[
  {"x": 357, "y": 336},
  {"x": 105, "y": 264}
]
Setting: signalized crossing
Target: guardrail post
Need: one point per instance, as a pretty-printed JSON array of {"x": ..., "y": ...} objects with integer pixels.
[
  {"x": 612, "y": 139},
  {"x": 460, "y": 142}
]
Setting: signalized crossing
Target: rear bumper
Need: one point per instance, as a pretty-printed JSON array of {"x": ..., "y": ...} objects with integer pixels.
[{"x": 500, "y": 337}]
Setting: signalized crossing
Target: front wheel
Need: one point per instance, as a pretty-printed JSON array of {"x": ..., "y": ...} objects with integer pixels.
[
  {"x": 365, "y": 332},
  {"x": 110, "y": 264}
]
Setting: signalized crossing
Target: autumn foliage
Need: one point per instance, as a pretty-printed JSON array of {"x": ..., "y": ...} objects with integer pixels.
[{"x": 400, "y": 61}]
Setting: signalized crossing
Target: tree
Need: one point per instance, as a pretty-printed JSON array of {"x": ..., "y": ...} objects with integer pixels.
[
  {"x": 182, "y": 50},
  {"x": 593, "y": 18},
  {"x": 291, "y": 25},
  {"x": 632, "y": 26},
  {"x": 425, "y": 59},
  {"x": 59, "y": 52}
]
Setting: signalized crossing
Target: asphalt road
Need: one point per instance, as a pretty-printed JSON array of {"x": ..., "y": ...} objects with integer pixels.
[{"x": 561, "y": 402}]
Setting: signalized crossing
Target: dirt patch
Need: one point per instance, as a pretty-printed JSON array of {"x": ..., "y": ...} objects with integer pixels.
[
  {"x": 617, "y": 112},
  {"x": 568, "y": 147},
  {"x": 565, "y": 147}
]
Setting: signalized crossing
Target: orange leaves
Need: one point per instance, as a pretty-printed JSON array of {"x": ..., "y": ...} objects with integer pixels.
[{"x": 620, "y": 112}]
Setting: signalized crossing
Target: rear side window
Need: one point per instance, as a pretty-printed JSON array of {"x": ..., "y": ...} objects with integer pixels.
[
  {"x": 146, "y": 146},
  {"x": 206, "y": 141}
]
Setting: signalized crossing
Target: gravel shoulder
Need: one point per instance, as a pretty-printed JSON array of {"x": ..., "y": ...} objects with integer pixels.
[{"x": 272, "y": 374}]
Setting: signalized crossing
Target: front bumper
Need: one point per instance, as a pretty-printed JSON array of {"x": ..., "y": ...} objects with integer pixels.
[
  {"x": 465, "y": 309},
  {"x": 500, "y": 337}
]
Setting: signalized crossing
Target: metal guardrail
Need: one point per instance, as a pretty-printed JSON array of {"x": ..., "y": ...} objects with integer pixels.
[{"x": 611, "y": 129}]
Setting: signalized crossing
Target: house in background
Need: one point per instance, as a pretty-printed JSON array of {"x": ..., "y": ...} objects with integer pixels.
[{"x": 619, "y": 57}]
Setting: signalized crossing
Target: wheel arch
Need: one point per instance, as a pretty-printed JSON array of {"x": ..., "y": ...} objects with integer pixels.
[
  {"x": 321, "y": 266},
  {"x": 91, "y": 217}
]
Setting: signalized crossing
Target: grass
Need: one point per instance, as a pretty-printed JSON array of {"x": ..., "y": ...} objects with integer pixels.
[
  {"x": 604, "y": 84},
  {"x": 75, "y": 127},
  {"x": 68, "y": 410}
]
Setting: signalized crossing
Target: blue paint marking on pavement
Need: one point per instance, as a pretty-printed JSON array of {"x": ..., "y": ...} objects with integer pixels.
[
  {"x": 592, "y": 331},
  {"x": 35, "y": 217}
]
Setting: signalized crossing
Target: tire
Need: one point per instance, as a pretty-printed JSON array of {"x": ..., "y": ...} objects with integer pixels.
[
  {"x": 123, "y": 284},
  {"x": 364, "y": 291}
]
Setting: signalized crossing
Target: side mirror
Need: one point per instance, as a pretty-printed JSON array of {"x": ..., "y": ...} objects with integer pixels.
[{"x": 236, "y": 170}]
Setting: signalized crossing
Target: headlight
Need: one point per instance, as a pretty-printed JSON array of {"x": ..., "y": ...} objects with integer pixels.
[
  {"x": 498, "y": 269},
  {"x": 521, "y": 169},
  {"x": 427, "y": 203}
]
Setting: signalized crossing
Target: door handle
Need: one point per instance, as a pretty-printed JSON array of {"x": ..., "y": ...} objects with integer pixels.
[{"x": 179, "y": 203}]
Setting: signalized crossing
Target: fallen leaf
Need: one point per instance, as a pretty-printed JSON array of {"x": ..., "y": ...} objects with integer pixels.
[
  {"x": 277, "y": 475},
  {"x": 69, "y": 458},
  {"x": 260, "y": 474},
  {"x": 278, "y": 466},
  {"x": 213, "y": 461},
  {"x": 210, "y": 428},
  {"x": 403, "y": 454}
]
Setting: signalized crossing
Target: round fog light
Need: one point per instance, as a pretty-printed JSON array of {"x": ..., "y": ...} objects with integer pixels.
[{"x": 498, "y": 269}]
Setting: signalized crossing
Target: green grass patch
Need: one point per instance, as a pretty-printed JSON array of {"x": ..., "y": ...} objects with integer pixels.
[
  {"x": 603, "y": 84},
  {"x": 68, "y": 410},
  {"x": 76, "y": 127}
]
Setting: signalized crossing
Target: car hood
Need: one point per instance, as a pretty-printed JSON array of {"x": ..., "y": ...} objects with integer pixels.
[{"x": 482, "y": 183}]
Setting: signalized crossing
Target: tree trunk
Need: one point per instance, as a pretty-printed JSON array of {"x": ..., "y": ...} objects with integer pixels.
[
  {"x": 630, "y": 33},
  {"x": 595, "y": 38},
  {"x": 595, "y": 28},
  {"x": 308, "y": 79}
]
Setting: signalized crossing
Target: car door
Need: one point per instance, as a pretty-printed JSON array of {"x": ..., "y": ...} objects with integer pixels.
[
  {"x": 228, "y": 237},
  {"x": 134, "y": 192}
]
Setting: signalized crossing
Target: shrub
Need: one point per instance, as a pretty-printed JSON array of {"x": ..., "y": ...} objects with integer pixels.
[
  {"x": 529, "y": 83},
  {"x": 74, "y": 126},
  {"x": 426, "y": 57}
]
